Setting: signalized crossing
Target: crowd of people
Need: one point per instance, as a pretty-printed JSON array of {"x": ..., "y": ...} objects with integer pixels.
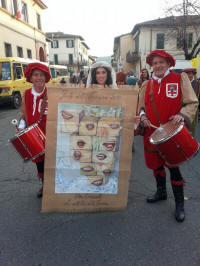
[{"x": 175, "y": 97}]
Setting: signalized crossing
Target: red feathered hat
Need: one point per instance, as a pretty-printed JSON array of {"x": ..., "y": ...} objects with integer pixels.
[
  {"x": 161, "y": 53},
  {"x": 191, "y": 69},
  {"x": 32, "y": 66}
]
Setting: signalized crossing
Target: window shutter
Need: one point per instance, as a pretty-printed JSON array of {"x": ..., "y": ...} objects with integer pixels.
[{"x": 160, "y": 41}]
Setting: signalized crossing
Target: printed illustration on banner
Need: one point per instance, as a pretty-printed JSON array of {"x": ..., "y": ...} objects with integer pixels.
[{"x": 88, "y": 148}]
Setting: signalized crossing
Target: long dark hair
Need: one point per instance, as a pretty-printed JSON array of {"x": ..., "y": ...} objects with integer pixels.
[
  {"x": 147, "y": 73},
  {"x": 142, "y": 79},
  {"x": 108, "y": 80}
]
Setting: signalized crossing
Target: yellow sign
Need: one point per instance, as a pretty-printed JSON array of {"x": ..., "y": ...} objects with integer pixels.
[{"x": 195, "y": 62}]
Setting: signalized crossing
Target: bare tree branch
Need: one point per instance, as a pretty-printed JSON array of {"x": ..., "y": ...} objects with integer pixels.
[{"x": 181, "y": 16}]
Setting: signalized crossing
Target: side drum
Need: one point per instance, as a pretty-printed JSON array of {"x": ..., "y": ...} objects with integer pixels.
[
  {"x": 30, "y": 142},
  {"x": 174, "y": 143}
]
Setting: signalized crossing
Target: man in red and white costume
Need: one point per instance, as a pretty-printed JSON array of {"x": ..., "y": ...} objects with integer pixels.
[
  {"x": 175, "y": 100},
  {"x": 34, "y": 106}
]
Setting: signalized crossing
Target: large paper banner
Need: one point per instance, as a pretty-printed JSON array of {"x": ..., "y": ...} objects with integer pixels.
[{"x": 88, "y": 148}]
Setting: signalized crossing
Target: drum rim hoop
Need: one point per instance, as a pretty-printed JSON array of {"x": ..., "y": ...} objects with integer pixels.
[
  {"x": 167, "y": 138},
  {"x": 38, "y": 155},
  {"x": 23, "y": 131}
]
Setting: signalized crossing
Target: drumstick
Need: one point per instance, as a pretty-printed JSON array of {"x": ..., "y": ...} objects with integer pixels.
[
  {"x": 150, "y": 123},
  {"x": 153, "y": 126}
]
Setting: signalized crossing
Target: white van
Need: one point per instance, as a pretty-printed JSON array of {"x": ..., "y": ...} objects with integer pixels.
[{"x": 180, "y": 65}]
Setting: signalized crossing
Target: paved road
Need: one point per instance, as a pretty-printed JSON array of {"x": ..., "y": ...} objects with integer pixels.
[{"x": 141, "y": 235}]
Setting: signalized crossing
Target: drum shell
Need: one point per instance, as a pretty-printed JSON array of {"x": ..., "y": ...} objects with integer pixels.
[
  {"x": 29, "y": 143},
  {"x": 179, "y": 148}
]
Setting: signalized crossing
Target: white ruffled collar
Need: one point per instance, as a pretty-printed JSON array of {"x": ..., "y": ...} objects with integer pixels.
[
  {"x": 160, "y": 79},
  {"x": 35, "y": 95}
]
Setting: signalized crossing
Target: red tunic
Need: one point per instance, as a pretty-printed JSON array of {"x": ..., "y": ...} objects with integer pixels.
[
  {"x": 32, "y": 111},
  {"x": 167, "y": 97}
]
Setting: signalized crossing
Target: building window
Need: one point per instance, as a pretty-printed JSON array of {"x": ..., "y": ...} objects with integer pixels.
[
  {"x": 70, "y": 43},
  {"x": 19, "y": 51},
  {"x": 29, "y": 53},
  {"x": 8, "y": 50},
  {"x": 24, "y": 12},
  {"x": 70, "y": 59},
  {"x": 39, "y": 22},
  {"x": 160, "y": 41},
  {"x": 55, "y": 59},
  {"x": 189, "y": 39},
  {"x": 55, "y": 44},
  {"x": 3, "y": 3},
  {"x": 14, "y": 7}
]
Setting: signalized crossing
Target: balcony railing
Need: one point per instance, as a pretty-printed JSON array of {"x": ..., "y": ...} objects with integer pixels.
[{"x": 132, "y": 57}]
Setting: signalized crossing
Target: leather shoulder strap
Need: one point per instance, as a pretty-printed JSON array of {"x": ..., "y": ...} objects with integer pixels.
[{"x": 151, "y": 94}]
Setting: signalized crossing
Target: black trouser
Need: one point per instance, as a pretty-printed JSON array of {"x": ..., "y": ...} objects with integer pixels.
[{"x": 40, "y": 168}]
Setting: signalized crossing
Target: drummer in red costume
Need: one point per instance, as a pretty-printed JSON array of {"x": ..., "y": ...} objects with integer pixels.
[
  {"x": 175, "y": 100},
  {"x": 34, "y": 106}
]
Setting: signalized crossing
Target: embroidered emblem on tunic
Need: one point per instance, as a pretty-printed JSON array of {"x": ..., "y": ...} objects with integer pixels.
[{"x": 172, "y": 90}]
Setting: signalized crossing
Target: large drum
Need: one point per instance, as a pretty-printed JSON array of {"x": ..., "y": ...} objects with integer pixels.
[
  {"x": 174, "y": 143},
  {"x": 30, "y": 142}
]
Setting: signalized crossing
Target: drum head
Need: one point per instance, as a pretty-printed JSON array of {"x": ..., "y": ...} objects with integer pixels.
[{"x": 165, "y": 132}]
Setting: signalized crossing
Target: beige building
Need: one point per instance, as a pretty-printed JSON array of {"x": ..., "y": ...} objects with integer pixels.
[
  {"x": 91, "y": 60},
  {"x": 151, "y": 35},
  {"x": 122, "y": 45},
  {"x": 21, "y": 29},
  {"x": 68, "y": 49}
]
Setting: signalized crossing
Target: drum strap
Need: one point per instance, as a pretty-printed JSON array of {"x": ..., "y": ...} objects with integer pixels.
[
  {"x": 151, "y": 94},
  {"x": 43, "y": 106}
]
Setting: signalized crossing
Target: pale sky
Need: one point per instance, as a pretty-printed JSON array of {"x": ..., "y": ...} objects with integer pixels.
[{"x": 99, "y": 21}]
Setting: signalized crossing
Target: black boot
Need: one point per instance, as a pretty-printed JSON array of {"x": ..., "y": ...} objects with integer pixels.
[
  {"x": 161, "y": 193},
  {"x": 40, "y": 192},
  {"x": 179, "y": 201}
]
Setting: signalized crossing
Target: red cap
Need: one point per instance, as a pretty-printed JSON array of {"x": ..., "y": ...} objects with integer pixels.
[
  {"x": 161, "y": 53},
  {"x": 191, "y": 69},
  {"x": 32, "y": 66}
]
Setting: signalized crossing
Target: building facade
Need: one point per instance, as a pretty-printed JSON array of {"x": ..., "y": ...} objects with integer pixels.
[
  {"x": 21, "y": 29},
  {"x": 156, "y": 34},
  {"x": 68, "y": 49},
  {"x": 122, "y": 45}
]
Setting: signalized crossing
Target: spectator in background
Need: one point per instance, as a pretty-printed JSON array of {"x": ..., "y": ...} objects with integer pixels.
[
  {"x": 121, "y": 78},
  {"x": 73, "y": 79},
  {"x": 80, "y": 77},
  {"x": 191, "y": 73},
  {"x": 144, "y": 75},
  {"x": 62, "y": 81},
  {"x": 131, "y": 79}
]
